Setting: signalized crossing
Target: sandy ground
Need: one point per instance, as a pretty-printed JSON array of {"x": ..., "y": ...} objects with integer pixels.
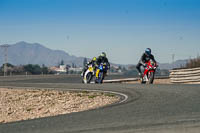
[
  {"x": 163, "y": 81},
  {"x": 22, "y": 104},
  {"x": 156, "y": 81}
]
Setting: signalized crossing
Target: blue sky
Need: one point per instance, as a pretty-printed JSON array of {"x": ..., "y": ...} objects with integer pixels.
[{"x": 121, "y": 28}]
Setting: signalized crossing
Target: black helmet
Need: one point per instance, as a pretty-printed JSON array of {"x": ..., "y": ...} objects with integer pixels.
[
  {"x": 148, "y": 51},
  {"x": 103, "y": 54}
]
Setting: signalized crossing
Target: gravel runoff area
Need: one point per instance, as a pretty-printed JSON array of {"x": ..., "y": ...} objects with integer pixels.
[{"x": 24, "y": 104}]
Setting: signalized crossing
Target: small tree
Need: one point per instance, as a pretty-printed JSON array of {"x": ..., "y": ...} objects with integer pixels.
[
  {"x": 192, "y": 63},
  {"x": 9, "y": 68},
  {"x": 33, "y": 69},
  {"x": 62, "y": 62},
  {"x": 45, "y": 70}
]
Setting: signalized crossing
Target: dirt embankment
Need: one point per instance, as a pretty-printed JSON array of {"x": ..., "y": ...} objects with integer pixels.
[{"x": 22, "y": 104}]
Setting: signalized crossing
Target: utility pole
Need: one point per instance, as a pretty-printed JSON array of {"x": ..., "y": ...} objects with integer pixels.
[
  {"x": 5, "y": 47},
  {"x": 173, "y": 56}
]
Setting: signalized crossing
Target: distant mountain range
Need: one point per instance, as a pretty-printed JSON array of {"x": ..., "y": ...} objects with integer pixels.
[{"x": 34, "y": 53}]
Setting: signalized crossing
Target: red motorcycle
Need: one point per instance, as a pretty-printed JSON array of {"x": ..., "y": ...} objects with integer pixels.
[{"x": 149, "y": 72}]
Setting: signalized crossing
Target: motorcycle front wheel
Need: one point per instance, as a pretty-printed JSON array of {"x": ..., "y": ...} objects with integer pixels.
[
  {"x": 87, "y": 78},
  {"x": 142, "y": 80},
  {"x": 151, "y": 77},
  {"x": 100, "y": 78}
]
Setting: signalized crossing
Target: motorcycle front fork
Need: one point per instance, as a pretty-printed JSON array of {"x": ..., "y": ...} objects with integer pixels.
[
  {"x": 145, "y": 78},
  {"x": 97, "y": 73}
]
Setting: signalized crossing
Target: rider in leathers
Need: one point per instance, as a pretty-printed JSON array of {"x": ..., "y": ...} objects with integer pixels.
[
  {"x": 145, "y": 58},
  {"x": 93, "y": 62},
  {"x": 103, "y": 59}
]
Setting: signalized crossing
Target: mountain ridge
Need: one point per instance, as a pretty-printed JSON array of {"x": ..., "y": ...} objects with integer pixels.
[{"x": 22, "y": 53}]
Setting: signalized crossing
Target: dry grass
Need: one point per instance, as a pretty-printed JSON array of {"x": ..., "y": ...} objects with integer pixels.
[{"x": 193, "y": 63}]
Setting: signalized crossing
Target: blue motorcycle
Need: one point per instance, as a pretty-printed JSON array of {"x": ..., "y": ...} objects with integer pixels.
[{"x": 101, "y": 72}]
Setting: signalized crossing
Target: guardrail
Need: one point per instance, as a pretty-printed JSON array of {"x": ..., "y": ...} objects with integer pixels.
[{"x": 185, "y": 75}]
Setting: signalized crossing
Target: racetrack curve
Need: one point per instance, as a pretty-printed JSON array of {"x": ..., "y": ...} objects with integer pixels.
[{"x": 149, "y": 108}]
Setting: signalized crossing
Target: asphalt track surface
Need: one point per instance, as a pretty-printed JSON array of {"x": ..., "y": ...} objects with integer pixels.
[{"x": 148, "y": 108}]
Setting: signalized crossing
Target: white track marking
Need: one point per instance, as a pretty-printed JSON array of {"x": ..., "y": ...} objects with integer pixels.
[{"x": 118, "y": 93}]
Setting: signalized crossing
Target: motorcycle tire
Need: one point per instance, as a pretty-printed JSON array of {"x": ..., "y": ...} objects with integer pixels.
[
  {"x": 100, "y": 78},
  {"x": 142, "y": 81},
  {"x": 89, "y": 77},
  {"x": 151, "y": 78}
]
